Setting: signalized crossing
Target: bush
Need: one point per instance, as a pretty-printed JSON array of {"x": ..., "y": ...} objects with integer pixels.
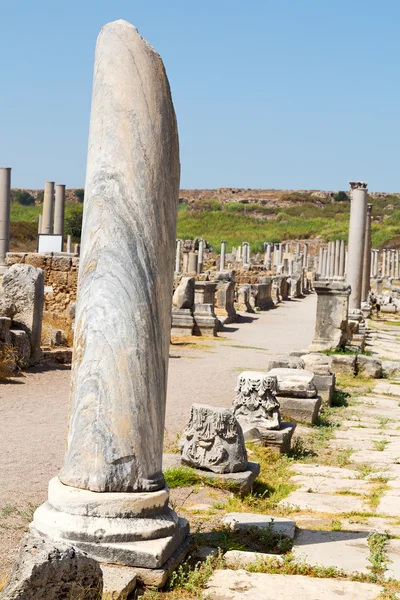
[
  {"x": 40, "y": 196},
  {"x": 341, "y": 197},
  {"x": 80, "y": 194},
  {"x": 24, "y": 198},
  {"x": 73, "y": 220}
]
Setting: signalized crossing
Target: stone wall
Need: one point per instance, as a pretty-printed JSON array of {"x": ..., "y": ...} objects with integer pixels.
[{"x": 60, "y": 277}]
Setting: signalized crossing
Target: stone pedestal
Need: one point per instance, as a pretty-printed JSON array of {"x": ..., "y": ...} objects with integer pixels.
[
  {"x": 182, "y": 322},
  {"x": 110, "y": 499},
  {"x": 226, "y": 302},
  {"x": 205, "y": 320},
  {"x": 331, "y": 327}
]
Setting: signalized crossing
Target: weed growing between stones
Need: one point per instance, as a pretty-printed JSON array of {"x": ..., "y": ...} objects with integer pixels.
[
  {"x": 181, "y": 476},
  {"x": 377, "y": 543},
  {"x": 8, "y": 361},
  {"x": 380, "y": 445}
]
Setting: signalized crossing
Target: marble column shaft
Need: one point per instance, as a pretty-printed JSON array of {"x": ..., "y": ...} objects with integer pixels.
[
  {"x": 222, "y": 256},
  {"x": 337, "y": 259},
  {"x": 123, "y": 313},
  {"x": 200, "y": 256},
  {"x": 59, "y": 210},
  {"x": 342, "y": 258},
  {"x": 366, "y": 277},
  {"x": 5, "y": 203},
  {"x": 178, "y": 256},
  {"x": 48, "y": 207},
  {"x": 358, "y": 213}
]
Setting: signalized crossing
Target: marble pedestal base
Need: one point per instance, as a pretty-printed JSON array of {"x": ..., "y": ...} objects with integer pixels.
[
  {"x": 301, "y": 410},
  {"x": 182, "y": 321},
  {"x": 131, "y": 529}
]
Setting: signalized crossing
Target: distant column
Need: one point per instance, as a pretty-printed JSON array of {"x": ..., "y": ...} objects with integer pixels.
[
  {"x": 222, "y": 256},
  {"x": 48, "y": 206},
  {"x": 358, "y": 214},
  {"x": 320, "y": 259},
  {"x": 192, "y": 262},
  {"x": 200, "y": 256},
  {"x": 287, "y": 248},
  {"x": 40, "y": 223},
  {"x": 376, "y": 263},
  {"x": 185, "y": 260},
  {"x": 5, "y": 202},
  {"x": 239, "y": 253},
  {"x": 305, "y": 256},
  {"x": 383, "y": 268},
  {"x": 267, "y": 258},
  {"x": 331, "y": 254},
  {"x": 69, "y": 244},
  {"x": 337, "y": 259},
  {"x": 178, "y": 256},
  {"x": 366, "y": 277},
  {"x": 325, "y": 263},
  {"x": 388, "y": 263},
  {"x": 59, "y": 210},
  {"x": 342, "y": 258},
  {"x": 397, "y": 274}
]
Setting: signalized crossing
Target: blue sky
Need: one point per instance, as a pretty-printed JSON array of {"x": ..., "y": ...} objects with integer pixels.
[{"x": 269, "y": 94}]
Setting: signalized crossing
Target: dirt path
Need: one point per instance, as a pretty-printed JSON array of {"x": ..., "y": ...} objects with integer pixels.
[{"x": 34, "y": 407}]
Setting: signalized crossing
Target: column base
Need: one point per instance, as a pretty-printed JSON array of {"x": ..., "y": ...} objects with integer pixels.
[{"x": 136, "y": 529}]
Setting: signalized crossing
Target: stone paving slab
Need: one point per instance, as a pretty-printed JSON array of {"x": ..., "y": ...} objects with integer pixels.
[
  {"x": 393, "y": 554},
  {"x": 383, "y": 387},
  {"x": 373, "y": 457},
  {"x": 343, "y": 550},
  {"x": 327, "y": 503},
  {"x": 280, "y": 525},
  {"x": 326, "y": 485},
  {"x": 390, "y": 505},
  {"x": 240, "y": 585},
  {"x": 323, "y": 471},
  {"x": 240, "y": 559}
]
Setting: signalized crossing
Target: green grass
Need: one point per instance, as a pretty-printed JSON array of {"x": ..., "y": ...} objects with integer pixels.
[{"x": 181, "y": 476}]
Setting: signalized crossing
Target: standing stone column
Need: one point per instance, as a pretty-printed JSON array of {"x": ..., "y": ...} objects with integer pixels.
[
  {"x": 388, "y": 261},
  {"x": 342, "y": 258},
  {"x": 200, "y": 256},
  {"x": 192, "y": 262},
  {"x": 178, "y": 256},
  {"x": 5, "y": 202},
  {"x": 222, "y": 256},
  {"x": 358, "y": 214},
  {"x": 383, "y": 268},
  {"x": 59, "y": 209},
  {"x": 324, "y": 263},
  {"x": 112, "y": 501},
  {"x": 69, "y": 244},
  {"x": 48, "y": 207},
  {"x": 337, "y": 258},
  {"x": 397, "y": 273},
  {"x": 305, "y": 256},
  {"x": 267, "y": 258},
  {"x": 376, "y": 263},
  {"x": 328, "y": 259},
  {"x": 366, "y": 273},
  {"x": 40, "y": 224},
  {"x": 239, "y": 254},
  {"x": 320, "y": 260}
]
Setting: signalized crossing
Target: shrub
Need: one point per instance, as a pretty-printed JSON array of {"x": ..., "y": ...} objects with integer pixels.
[
  {"x": 80, "y": 194},
  {"x": 73, "y": 220},
  {"x": 24, "y": 198},
  {"x": 40, "y": 196},
  {"x": 340, "y": 197}
]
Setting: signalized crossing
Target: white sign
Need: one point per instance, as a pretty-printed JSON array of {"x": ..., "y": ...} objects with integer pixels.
[{"x": 50, "y": 243}]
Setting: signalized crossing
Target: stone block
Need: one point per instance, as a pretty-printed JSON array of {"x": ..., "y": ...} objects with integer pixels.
[
  {"x": 60, "y": 263},
  {"x": 285, "y": 362},
  {"x": 59, "y": 278},
  {"x": 226, "y": 301},
  {"x": 344, "y": 364},
  {"x": 39, "y": 261},
  {"x": 325, "y": 385},
  {"x": 294, "y": 382},
  {"x": 205, "y": 320},
  {"x": 245, "y": 521},
  {"x": 301, "y": 410},
  {"x": 182, "y": 322},
  {"x": 391, "y": 368},
  {"x": 277, "y": 439},
  {"x": 184, "y": 294},
  {"x": 239, "y": 585},
  {"x": 46, "y": 570},
  {"x": 13, "y": 258},
  {"x": 159, "y": 577},
  {"x": 240, "y": 482},
  {"x": 23, "y": 286},
  {"x": 21, "y": 341},
  {"x": 319, "y": 364},
  {"x": 369, "y": 366},
  {"x": 118, "y": 582},
  {"x": 213, "y": 440}
]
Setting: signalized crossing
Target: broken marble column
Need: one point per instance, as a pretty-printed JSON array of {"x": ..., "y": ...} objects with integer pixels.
[
  {"x": 59, "y": 210},
  {"x": 320, "y": 260},
  {"x": 22, "y": 292},
  {"x": 48, "y": 208},
  {"x": 366, "y": 273},
  {"x": 239, "y": 253},
  {"x": 5, "y": 203},
  {"x": 213, "y": 440},
  {"x": 383, "y": 268},
  {"x": 267, "y": 258},
  {"x": 178, "y": 257},
  {"x": 331, "y": 326},
  {"x": 110, "y": 498},
  {"x": 69, "y": 244},
  {"x": 192, "y": 262},
  {"x": 257, "y": 410},
  {"x": 200, "y": 257},
  {"x": 358, "y": 215},
  {"x": 222, "y": 256},
  {"x": 305, "y": 256}
]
